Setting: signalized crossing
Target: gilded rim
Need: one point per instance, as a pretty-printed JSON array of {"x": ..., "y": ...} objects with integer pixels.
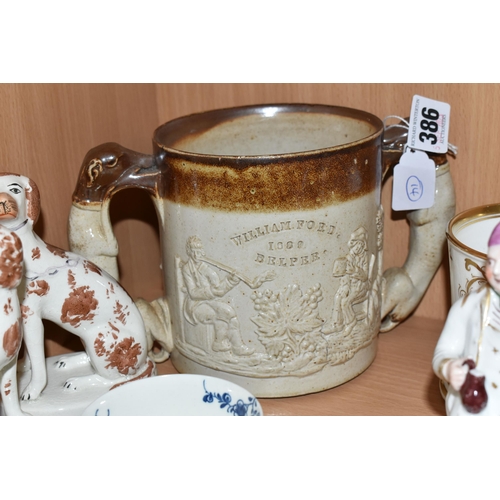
[{"x": 468, "y": 217}]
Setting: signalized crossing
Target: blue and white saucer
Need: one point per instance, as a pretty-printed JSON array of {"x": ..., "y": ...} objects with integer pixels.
[{"x": 176, "y": 395}]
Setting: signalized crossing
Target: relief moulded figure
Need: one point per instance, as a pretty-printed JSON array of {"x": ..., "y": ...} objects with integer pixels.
[
  {"x": 204, "y": 289},
  {"x": 353, "y": 271}
]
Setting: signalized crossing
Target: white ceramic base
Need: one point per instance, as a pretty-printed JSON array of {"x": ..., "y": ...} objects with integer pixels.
[{"x": 55, "y": 400}]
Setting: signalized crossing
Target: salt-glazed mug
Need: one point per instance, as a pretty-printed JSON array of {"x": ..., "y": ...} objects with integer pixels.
[
  {"x": 271, "y": 234},
  {"x": 468, "y": 233}
]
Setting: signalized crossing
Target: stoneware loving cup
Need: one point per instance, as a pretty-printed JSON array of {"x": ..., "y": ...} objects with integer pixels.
[{"x": 271, "y": 232}]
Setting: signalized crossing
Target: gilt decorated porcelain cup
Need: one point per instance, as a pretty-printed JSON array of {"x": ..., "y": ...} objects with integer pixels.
[
  {"x": 272, "y": 234},
  {"x": 468, "y": 233}
]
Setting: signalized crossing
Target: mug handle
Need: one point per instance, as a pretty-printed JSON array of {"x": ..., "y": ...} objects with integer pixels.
[
  {"x": 107, "y": 169},
  {"x": 403, "y": 287}
]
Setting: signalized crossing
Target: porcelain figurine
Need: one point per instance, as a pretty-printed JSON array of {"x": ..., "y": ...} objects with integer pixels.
[
  {"x": 75, "y": 294},
  {"x": 11, "y": 273},
  {"x": 467, "y": 356}
]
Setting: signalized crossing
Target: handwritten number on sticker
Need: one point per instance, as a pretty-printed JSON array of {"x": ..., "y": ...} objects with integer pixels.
[
  {"x": 414, "y": 188},
  {"x": 414, "y": 182}
]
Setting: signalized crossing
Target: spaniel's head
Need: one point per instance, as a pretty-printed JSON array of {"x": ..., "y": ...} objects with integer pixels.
[{"x": 19, "y": 200}]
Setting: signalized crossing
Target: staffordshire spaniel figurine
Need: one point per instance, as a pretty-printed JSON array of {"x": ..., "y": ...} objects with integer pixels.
[{"x": 77, "y": 295}]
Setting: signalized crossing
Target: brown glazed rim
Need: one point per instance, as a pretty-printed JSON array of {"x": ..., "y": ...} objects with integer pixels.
[
  {"x": 466, "y": 217},
  {"x": 200, "y": 122}
]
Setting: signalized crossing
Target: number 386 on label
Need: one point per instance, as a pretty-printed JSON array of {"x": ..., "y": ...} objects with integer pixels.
[
  {"x": 429, "y": 122},
  {"x": 429, "y": 125}
]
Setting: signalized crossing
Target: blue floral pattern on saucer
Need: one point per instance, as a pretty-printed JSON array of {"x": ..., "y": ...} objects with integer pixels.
[{"x": 238, "y": 409}]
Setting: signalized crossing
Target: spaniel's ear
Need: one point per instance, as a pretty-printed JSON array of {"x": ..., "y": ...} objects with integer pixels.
[
  {"x": 32, "y": 200},
  {"x": 11, "y": 259}
]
